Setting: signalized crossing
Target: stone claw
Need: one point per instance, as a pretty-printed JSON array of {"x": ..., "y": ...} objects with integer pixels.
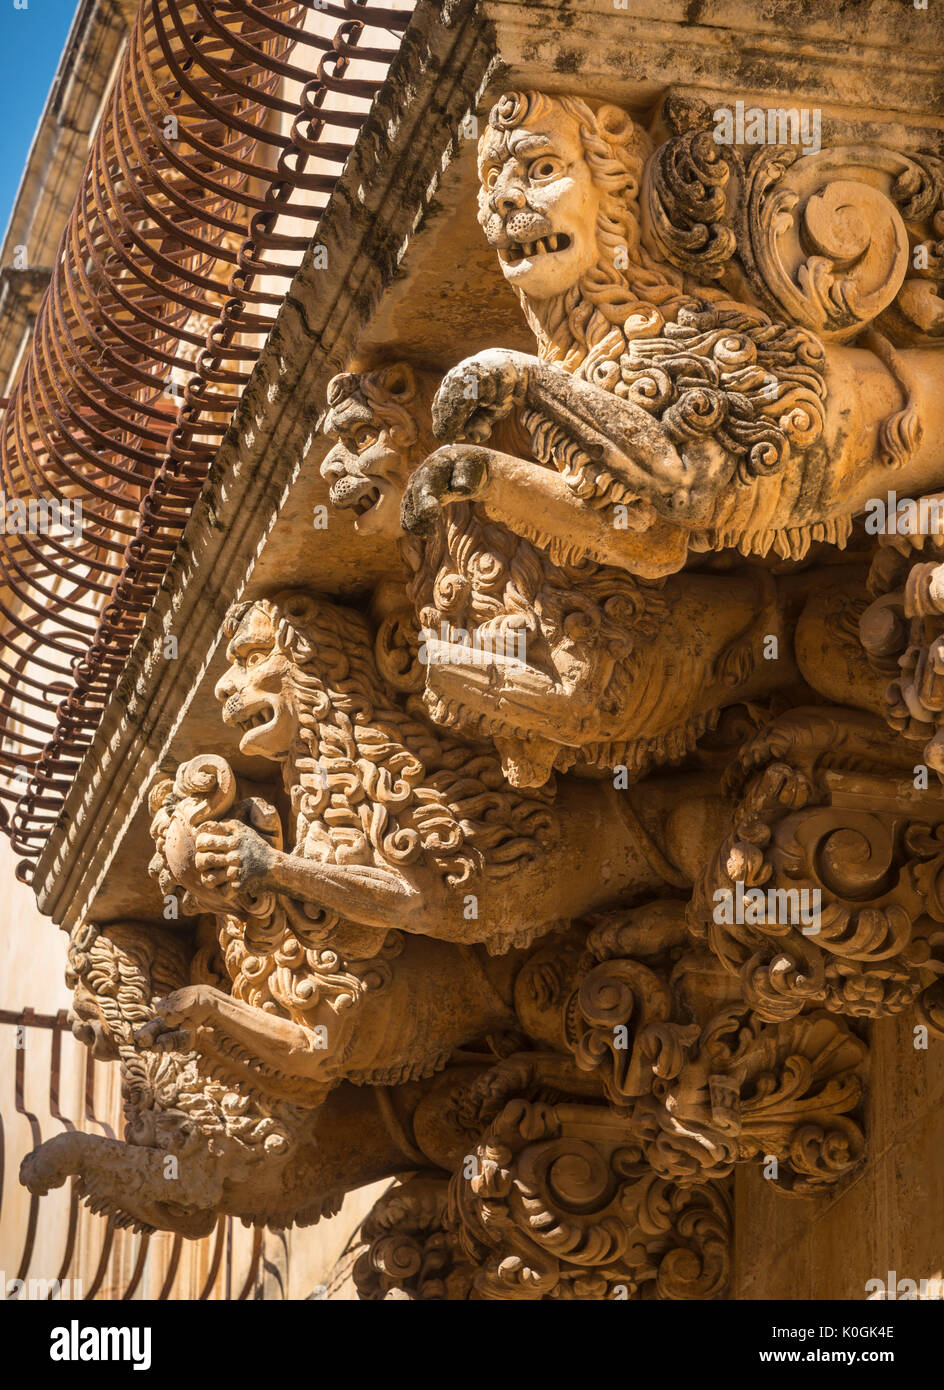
[
  {"x": 454, "y": 473},
  {"x": 477, "y": 393},
  {"x": 49, "y": 1165},
  {"x": 175, "y": 1021}
]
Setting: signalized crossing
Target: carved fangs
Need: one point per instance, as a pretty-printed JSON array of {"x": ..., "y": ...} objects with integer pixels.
[
  {"x": 519, "y": 251},
  {"x": 355, "y": 496},
  {"x": 367, "y": 501},
  {"x": 257, "y": 720}
]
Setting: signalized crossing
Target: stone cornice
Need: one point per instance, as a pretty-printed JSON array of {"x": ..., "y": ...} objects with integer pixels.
[
  {"x": 773, "y": 50},
  {"x": 437, "y": 75},
  {"x": 453, "y": 57}
]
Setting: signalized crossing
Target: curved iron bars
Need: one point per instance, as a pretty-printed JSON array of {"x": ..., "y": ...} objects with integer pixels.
[
  {"x": 169, "y": 275},
  {"x": 111, "y": 1268}
]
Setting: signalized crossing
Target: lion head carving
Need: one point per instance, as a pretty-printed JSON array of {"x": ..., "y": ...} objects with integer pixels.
[
  {"x": 559, "y": 202},
  {"x": 380, "y": 421},
  {"x": 369, "y": 782},
  {"x": 578, "y": 633},
  {"x": 475, "y": 576}
]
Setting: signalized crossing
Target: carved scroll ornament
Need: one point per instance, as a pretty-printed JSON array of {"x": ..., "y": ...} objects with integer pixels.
[{"x": 582, "y": 850}]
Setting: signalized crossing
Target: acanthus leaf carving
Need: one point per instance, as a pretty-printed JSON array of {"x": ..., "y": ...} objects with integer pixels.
[{"x": 867, "y": 947}]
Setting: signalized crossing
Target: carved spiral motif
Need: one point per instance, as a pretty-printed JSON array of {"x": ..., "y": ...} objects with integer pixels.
[
  {"x": 699, "y": 1267},
  {"x": 820, "y": 240},
  {"x": 209, "y": 778},
  {"x": 854, "y": 860},
  {"x": 573, "y": 1173},
  {"x": 398, "y": 1256},
  {"x": 607, "y": 997},
  {"x": 696, "y": 413},
  {"x": 687, "y": 184},
  {"x": 450, "y": 592}
]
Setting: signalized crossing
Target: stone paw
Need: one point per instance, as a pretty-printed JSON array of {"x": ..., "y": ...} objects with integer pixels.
[{"x": 454, "y": 473}]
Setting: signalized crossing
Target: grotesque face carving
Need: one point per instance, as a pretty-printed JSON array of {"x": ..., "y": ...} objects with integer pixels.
[
  {"x": 538, "y": 203},
  {"x": 559, "y": 185},
  {"x": 368, "y": 467},
  {"x": 88, "y": 1023},
  {"x": 257, "y": 692}
]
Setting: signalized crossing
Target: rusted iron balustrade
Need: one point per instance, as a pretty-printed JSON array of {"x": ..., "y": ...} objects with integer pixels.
[
  {"x": 38, "y": 1100},
  {"x": 226, "y": 120}
]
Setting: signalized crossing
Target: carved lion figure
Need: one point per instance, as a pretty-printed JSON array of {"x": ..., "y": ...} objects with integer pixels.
[
  {"x": 405, "y": 845},
  {"x": 666, "y": 416},
  {"x": 201, "y": 1134},
  {"x": 563, "y": 664},
  {"x": 210, "y": 1128}
]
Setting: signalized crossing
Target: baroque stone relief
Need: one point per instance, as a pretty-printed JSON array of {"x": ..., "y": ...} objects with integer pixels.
[
  {"x": 593, "y": 839},
  {"x": 715, "y": 425}
]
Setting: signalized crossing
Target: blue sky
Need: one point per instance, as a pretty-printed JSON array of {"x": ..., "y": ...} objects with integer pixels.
[{"x": 31, "y": 43}]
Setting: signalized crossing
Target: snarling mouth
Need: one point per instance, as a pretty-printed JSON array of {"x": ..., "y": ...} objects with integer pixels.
[
  {"x": 527, "y": 250},
  {"x": 256, "y": 720},
  {"x": 367, "y": 501},
  {"x": 354, "y": 495}
]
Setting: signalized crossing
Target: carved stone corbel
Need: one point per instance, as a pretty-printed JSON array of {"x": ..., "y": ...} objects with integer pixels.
[
  {"x": 560, "y": 1206},
  {"x": 410, "y": 1254},
  {"x": 705, "y": 1087},
  {"x": 826, "y": 891},
  {"x": 500, "y": 930},
  {"x": 902, "y": 630}
]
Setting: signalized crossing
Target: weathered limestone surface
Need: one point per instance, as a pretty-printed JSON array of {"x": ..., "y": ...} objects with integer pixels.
[
  {"x": 883, "y": 1220},
  {"x": 546, "y": 808}
]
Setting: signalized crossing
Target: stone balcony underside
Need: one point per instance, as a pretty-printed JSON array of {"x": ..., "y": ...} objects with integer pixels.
[
  {"x": 405, "y": 256},
  {"x": 818, "y": 790}
]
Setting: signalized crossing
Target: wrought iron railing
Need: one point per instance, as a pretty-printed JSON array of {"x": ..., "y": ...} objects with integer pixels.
[
  {"x": 42, "y": 1254},
  {"x": 227, "y": 127}
]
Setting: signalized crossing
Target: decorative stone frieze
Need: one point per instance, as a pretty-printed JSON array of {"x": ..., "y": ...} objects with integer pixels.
[{"x": 561, "y": 867}]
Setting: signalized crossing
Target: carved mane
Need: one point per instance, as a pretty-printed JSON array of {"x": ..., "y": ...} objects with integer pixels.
[
  {"x": 610, "y": 305},
  {"x": 369, "y": 782},
  {"x": 476, "y": 575},
  {"x": 707, "y": 366}
]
